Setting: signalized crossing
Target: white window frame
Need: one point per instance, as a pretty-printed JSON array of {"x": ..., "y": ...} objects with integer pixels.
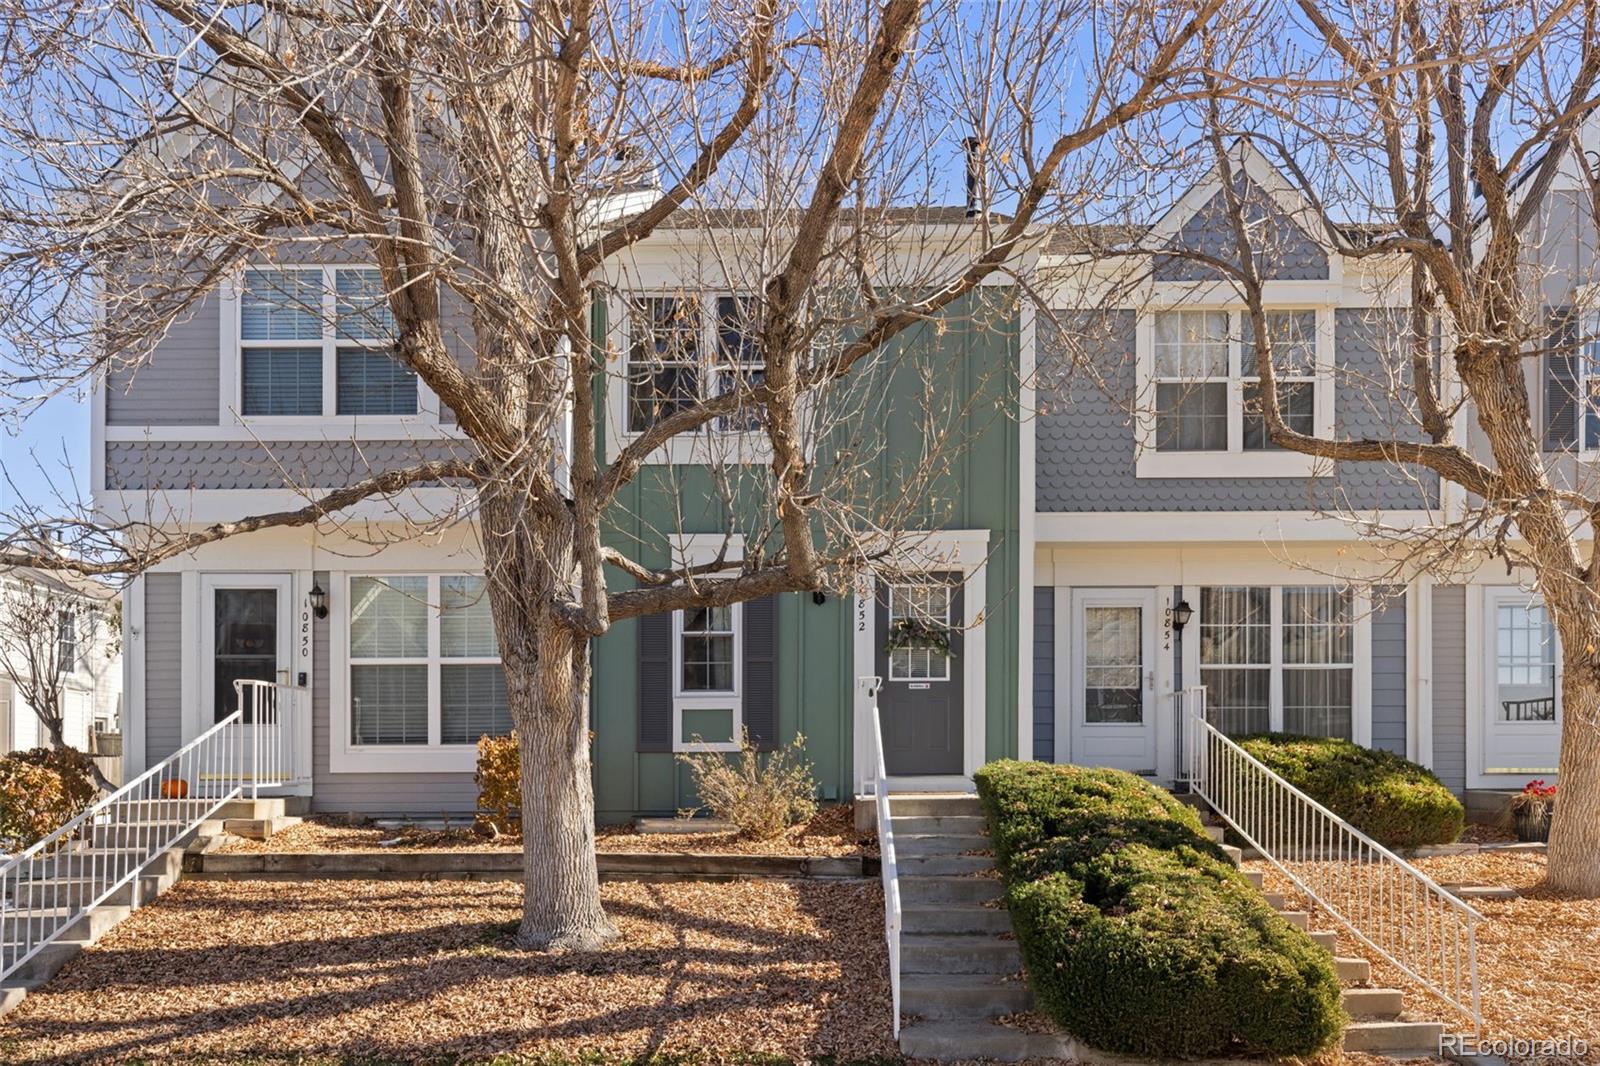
[
  {"x": 1235, "y": 461},
  {"x": 1486, "y": 766},
  {"x": 715, "y": 442},
  {"x": 706, "y": 699},
  {"x": 329, "y": 420},
  {"x": 435, "y": 756},
  {"x": 1587, "y": 384},
  {"x": 949, "y": 600},
  {"x": 1361, "y": 652}
]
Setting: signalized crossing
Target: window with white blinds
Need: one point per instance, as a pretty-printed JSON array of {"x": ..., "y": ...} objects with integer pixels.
[
  {"x": 318, "y": 341},
  {"x": 424, "y": 665}
]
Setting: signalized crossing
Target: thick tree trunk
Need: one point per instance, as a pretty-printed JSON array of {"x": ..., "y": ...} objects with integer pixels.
[{"x": 1574, "y": 857}]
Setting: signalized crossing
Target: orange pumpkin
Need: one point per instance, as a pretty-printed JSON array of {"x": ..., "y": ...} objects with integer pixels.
[{"x": 174, "y": 788}]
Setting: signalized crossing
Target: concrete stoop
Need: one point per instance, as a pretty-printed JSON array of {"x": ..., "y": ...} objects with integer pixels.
[
  {"x": 960, "y": 970},
  {"x": 65, "y": 882}
]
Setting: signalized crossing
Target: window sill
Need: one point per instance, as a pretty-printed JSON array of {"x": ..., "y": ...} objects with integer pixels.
[
  {"x": 404, "y": 759},
  {"x": 1210, "y": 466}
]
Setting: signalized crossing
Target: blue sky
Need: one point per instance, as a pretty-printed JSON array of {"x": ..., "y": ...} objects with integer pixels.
[{"x": 48, "y": 454}]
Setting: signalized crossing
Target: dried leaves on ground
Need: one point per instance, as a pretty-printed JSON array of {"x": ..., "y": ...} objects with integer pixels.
[
  {"x": 830, "y": 833},
  {"x": 422, "y": 971},
  {"x": 1538, "y": 954}
]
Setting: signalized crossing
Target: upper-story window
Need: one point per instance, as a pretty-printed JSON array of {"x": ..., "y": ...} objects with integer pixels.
[
  {"x": 682, "y": 349},
  {"x": 317, "y": 341},
  {"x": 1203, "y": 395}
]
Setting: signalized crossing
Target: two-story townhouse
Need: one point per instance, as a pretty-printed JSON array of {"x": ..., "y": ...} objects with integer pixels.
[
  {"x": 1174, "y": 546},
  {"x": 375, "y": 623}
]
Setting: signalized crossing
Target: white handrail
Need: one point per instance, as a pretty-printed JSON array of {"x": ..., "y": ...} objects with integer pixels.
[
  {"x": 267, "y": 722},
  {"x": 1380, "y": 898},
  {"x": 57, "y": 881},
  {"x": 887, "y": 863}
]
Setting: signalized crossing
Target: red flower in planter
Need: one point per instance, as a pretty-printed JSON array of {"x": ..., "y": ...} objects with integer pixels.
[{"x": 1537, "y": 789}]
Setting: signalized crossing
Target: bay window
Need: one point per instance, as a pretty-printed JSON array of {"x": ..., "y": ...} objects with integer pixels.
[
  {"x": 1279, "y": 659},
  {"x": 424, "y": 668},
  {"x": 317, "y": 341}
]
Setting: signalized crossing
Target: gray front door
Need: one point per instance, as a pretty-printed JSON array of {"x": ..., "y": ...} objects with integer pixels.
[{"x": 920, "y": 703}]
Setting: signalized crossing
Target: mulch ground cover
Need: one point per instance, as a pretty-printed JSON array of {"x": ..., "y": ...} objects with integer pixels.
[{"x": 415, "y": 971}]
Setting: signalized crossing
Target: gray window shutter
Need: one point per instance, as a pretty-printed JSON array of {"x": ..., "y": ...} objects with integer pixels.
[
  {"x": 761, "y": 672},
  {"x": 655, "y": 682},
  {"x": 1561, "y": 420}
]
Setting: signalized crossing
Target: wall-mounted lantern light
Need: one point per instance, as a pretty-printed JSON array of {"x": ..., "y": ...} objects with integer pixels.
[
  {"x": 819, "y": 597},
  {"x": 319, "y": 601},
  {"x": 1181, "y": 615}
]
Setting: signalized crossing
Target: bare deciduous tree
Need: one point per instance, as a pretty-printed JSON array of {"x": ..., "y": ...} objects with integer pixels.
[{"x": 502, "y": 165}]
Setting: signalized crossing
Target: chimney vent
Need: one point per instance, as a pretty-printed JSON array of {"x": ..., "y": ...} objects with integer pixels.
[{"x": 976, "y": 193}]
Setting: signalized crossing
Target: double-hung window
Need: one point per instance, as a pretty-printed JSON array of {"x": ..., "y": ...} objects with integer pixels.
[
  {"x": 424, "y": 665},
  {"x": 683, "y": 350},
  {"x": 1203, "y": 398},
  {"x": 317, "y": 341},
  {"x": 706, "y": 672},
  {"x": 1279, "y": 658},
  {"x": 66, "y": 641}
]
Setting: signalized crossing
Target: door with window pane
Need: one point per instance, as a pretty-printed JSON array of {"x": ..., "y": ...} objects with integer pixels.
[
  {"x": 1522, "y": 685},
  {"x": 246, "y": 638},
  {"x": 919, "y": 658},
  {"x": 1114, "y": 711}
]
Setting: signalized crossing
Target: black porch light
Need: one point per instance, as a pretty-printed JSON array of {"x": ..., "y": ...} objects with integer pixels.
[
  {"x": 319, "y": 600},
  {"x": 1181, "y": 615}
]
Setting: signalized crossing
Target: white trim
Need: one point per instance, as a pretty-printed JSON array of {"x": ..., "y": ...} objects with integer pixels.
[
  {"x": 1158, "y": 759},
  {"x": 1027, "y": 500},
  {"x": 1419, "y": 650},
  {"x": 206, "y": 585},
  {"x": 189, "y": 651},
  {"x": 133, "y": 703},
  {"x": 1234, "y": 461},
  {"x": 965, "y": 551},
  {"x": 1205, "y": 527}
]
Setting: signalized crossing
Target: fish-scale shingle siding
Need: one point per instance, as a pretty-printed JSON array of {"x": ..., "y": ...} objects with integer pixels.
[
  {"x": 177, "y": 466},
  {"x": 1085, "y": 433},
  {"x": 1285, "y": 251}
]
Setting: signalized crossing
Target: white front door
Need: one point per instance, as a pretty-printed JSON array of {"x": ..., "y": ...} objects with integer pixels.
[
  {"x": 1113, "y": 679},
  {"x": 1521, "y": 712}
]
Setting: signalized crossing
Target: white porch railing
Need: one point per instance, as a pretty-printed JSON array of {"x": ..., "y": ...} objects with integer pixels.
[
  {"x": 1382, "y": 900},
  {"x": 879, "y": 783},
  {"x": 50, "y": 886}
]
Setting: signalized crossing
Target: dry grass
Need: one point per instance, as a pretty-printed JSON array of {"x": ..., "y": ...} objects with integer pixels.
[
  {"x": 1538, "y": 955},
  {"x": 425, "y": 971},
  {"x": 829, "y": 834}
]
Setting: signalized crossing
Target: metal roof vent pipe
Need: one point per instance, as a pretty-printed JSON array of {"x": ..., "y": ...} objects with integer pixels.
[{"x": 977, "y": 194}]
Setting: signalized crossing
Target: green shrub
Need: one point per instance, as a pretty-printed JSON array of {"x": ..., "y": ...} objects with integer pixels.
[
  {"x": 1138, "y": 935},
  {"x": 41, "y": 790},
  {"x": 1393, "y": 800}
]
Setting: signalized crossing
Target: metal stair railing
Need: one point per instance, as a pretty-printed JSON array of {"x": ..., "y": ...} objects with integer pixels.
[
  {"x": 56, "y": 882},
  {"x": 879, "y": 781},
  {"x": 1379, "y": 898}
]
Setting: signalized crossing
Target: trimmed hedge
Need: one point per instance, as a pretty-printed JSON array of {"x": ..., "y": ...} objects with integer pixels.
[
  {"x": 1137, "y": 933},
  {"x": 1391, "y": 799}
]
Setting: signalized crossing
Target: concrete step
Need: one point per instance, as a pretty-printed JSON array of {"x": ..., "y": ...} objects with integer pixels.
[
  {"x": 1234, "y": 855},
  {"x": 1391, "y": 1037},
  {"x": 1255, "y": 877},
  {"x": 45, "y": 963},
  {"x": 955, "y": 918},
  {"x": 964, "y": 1040},
  {"x": 102, "y": 863},
  {"x": 934, "y": 804},
  {"x": 90, "y": 927},
  {"x": 12, "y": 993},
  {"x": 1215, "y": 832},
  {"x": 136, "y": 834},
  {"x": 938, "y": 843},
  {"x": 939, "y": 824},
  {"x": 1352, "y": 971},
  {"x": 1324, "y": 938},
  {"x": 1385, "y": 1003},
  {"x": 1298, "y": 919},
  {"x": 946, "y": 996},
  {"x": 1276, "y": 900},
  {"x": 940, "y": 954},
  {"x": 944, "y": 864},
  {"x": 917, "y": 889},
  {"x": 77, "y": 892}
]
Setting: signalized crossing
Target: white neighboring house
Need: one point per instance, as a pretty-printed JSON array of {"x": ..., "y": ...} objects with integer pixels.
[{"x": 93, "y": 691}]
